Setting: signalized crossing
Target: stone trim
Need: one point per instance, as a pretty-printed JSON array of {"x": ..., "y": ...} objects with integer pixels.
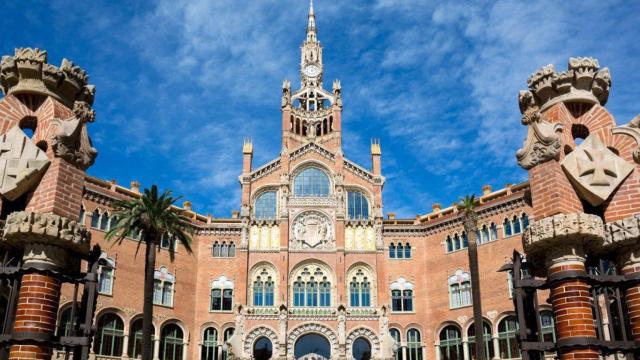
[
  {"x": 25, "y": 227},
  {"x": 308, "y": 328},
  {"x": 367, "y": 334},
  {"x": 255, "y": 334}
]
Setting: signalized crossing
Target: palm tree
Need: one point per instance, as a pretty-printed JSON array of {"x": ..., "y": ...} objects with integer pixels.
[
  {"x": 468, "y": 206},
  {"x": 152, "y": 216}
]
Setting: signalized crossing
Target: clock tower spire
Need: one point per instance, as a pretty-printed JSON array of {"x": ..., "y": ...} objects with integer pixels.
[{"x": 311, "y": 113}]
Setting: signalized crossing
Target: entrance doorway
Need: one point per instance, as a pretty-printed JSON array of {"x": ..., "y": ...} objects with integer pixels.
[{"x": 312, "y": 344}]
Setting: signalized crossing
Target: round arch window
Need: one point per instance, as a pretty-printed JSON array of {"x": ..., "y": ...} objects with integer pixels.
[
  {"x": 311, "y": 182},
  {"x": 312, "y": 344},
  {"x": 361, "y": 349},
  {"x": 262, "y": 349}
]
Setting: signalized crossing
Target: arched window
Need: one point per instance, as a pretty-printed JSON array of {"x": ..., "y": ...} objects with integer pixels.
[
  {"x": 171, "y": 343},
  {"x": 459, "y": 289},
  {"x": 507, "y": 228},
  {"x": 135, "y": 338},
  {"x": 484, "y": 236},
  {"x": 311, "y": 182},
  {"x": 400, "y": 251},
  {"x": 105, "y": 275},
  {"x": 357, "y": 205},
  {"x": 548, "y": 326},
  {"x": 515, "y": 223},
  {"x": 361, "y": 349},
  {"x": 221, "y": 294},
  {"x": 113, "y": 221},
  {"x": 65, "y": 326},
  {"x": 465, "y": 240},
  {"x": 265, "y": 206},
  {"x": 104, "y": 221},
  {"x": 228, "y": 333},
  {"x": 451, "y": 344},
  {"x": 95, "y": 219},
  {"x": 449, "y": 243},
  {"x": 457, "y": 245},
  {"x": 264, "y": 286},
  {"x": 81, "y": 215},
  {"x": 488, "y": 346},
  {"x": 224, "y": 250},
  {"x": 392, "y": 251},
  {"x": 163, "y": 287},
  {"x": 311, "y": 287},
  {"x": 216, "y": 249},
  {"x": 209, "y": 349},
  {"x": 109, "y": 337},
  {"x": 414, "y": 345},
  {"x": 507, "y": 329},
  {"x": 262, "y": 349},
  {"x": 232, "y": 249},
  {"x": 525, "y": 221},
  {"x": 395, "y": 334},
  {"x": 494, "y": 232},
  {"x": 401, "y": 296},
  {"x": 407, "y": 251},
  {"x": 360, "y": 288}
]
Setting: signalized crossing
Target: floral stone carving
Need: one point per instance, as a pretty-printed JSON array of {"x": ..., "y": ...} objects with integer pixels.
[
  {"x": 542, "y": 143},
  {"x": 595, "y": 171},
  {"x": 553, "y": 235},
  {"x": 23, "y": 228},
  {"x": 312, "y": 230},
  {"x": 623, "y": 233},
  {"x": 22, "y": 164}
]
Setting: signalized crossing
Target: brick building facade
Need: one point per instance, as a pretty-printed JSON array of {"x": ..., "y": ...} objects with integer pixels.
[{"x": 309, "y": 265}]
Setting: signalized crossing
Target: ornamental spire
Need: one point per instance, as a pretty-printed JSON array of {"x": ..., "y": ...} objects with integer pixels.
[{"x": 311, "y": 26}]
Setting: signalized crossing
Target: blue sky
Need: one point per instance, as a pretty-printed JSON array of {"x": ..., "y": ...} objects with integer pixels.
[{"x": 180, "y": 83}]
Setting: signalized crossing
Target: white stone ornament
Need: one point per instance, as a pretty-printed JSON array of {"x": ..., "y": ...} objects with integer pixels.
[
  {"x": 595, "y": 171},
  {"x": 312, "y": 230},
  {"x": 22, "y": 164}
]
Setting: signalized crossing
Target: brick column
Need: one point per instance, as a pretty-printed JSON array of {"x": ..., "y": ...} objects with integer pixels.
[
  {"x": 556, "y": 247},
  {"x": 631, "y": 267},
  {"x": 571, "y": 302},
  {"x": 38, "y": 302}
]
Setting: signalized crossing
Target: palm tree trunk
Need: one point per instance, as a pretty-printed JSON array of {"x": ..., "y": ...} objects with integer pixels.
[
  {"x": 471, "y": 227},
  {"x": 147, "y": 317}
]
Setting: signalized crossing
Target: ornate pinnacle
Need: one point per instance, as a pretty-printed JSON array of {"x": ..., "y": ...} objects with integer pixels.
[
  {"x": 584, "y": 81},
  {"x": 27, "y": 72}
]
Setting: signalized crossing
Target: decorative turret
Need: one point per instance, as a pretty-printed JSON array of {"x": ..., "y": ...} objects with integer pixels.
[{"x": 311, "y": 112}]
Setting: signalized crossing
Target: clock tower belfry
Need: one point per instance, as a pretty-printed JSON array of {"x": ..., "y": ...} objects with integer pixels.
[{"x": 311, "y": 113}]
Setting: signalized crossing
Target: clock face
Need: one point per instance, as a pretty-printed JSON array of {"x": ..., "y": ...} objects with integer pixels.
[{"x": 311, "y": 70}]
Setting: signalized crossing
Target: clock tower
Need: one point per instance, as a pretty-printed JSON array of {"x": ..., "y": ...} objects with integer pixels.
[{"x": 311, "y": 113}]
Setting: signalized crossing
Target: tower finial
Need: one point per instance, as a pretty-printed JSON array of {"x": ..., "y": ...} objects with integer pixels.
[{"x": 311, "y": 26}]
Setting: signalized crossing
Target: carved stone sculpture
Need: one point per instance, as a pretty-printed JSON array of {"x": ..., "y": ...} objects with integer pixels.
[
  {"x": 312, "y": 230},
  {"x": 28, "y": 72},
  {"x": 72, "y": 142},
  {"x": 542, "y": 143},
  {"x": 48, "y": 228},
  {"x": 562, "y": 234},
  {"x": 595, "y": 171},
  {"x": 22, "y": 164},
  {"x": 584, "y": 81}
]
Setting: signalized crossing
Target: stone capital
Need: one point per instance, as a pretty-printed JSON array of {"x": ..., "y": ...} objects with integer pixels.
[
  {"x": 37, "y": 232},
  {"x": 622, "y": 241},
  {"x": 562, "y": 237}
]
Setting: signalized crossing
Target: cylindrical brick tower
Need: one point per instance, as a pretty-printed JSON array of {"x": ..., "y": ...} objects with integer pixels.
[
  {"x": 583, "y": 173},
  {"x": 43, "y": 119}
]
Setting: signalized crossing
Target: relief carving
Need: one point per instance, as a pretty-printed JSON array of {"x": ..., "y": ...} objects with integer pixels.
[
  {"x": 595, "y": 171},
  {"x": 71, "y": 142},
  {"x": 312, "y": 230},
  {"x": 22, "y": 164},
  {"x": 542, "y": 143},
  {"x": 24, "y": 227}
]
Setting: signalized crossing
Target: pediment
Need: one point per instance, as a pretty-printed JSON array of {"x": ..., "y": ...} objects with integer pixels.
[{"x": 312, "y": 147}]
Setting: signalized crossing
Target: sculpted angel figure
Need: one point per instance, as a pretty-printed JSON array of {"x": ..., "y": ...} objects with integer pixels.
[{"x": 299, "y": 230}]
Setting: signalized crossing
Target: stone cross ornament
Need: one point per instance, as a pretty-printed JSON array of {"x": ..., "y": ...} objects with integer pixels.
[{"x": 595, "y": 171}]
